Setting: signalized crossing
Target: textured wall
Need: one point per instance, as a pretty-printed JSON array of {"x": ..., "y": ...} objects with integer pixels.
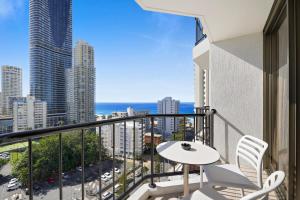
[{"x": 236, "y": 90}]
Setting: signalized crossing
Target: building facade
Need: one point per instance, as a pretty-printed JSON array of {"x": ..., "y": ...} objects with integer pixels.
[
  {"x": 29, "y": 114},
  {"x": 81, "y": 85},
  {"x": 11, "y": 84},
  {"x": 50, "y": 54},
  {"x": 125, "y": 138},
  {"x": 6, "y": 124},
  {"x": 167, "y": 106}
]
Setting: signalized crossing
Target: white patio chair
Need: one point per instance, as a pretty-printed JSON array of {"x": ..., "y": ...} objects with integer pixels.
[
  {"x": 272, "y": 182},
  {"x": 250, "y": 149}
]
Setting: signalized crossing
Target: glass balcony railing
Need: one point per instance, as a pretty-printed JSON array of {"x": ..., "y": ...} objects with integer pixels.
[{"x": 99, "y": 160}]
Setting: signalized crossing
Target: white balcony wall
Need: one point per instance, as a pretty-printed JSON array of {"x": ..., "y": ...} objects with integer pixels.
[{"x": 236, "y": 91}]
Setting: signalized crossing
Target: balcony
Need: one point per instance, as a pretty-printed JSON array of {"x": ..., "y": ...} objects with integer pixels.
[
  {"x": 84, "y": 166},
  {"x": 48, "y": 167}
]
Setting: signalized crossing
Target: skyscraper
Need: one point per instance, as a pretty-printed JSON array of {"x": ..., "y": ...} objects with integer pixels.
[
  {"x": 81, "y": 84},
  {"x": 168, "y": 106},
  {"x": 11, "y": 85},
  {"x": 50, "y": 54}
]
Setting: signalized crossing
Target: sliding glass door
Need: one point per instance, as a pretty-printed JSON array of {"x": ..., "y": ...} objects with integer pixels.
[{"x": 277, "y": 96}]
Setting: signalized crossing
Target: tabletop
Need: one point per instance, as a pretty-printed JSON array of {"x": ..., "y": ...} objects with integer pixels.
[{"x": 198, "y": 155}]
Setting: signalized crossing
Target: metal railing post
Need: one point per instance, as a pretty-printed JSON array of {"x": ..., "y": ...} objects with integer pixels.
[
  {"x": 100, "y": 165},
  {"x": 195, "y": 129},
  {"x": 211, "y": 127},
  {"x": 174, "y": 138},
  {"x": 152, "y": 184},
  {"x": 174, "y": 128},
  {"x": 124, "y": 152},
  {"x": 142, "y": 148},
  {"x": 164, "y": 139},
  {"x": 133, "y": 152},
  {"x": 203, "y": 130},
  {"x": 30, "y": 187},
  {"x": 184, "y": 128},
  {"x": 113, "y": 171},
  {"x": 82, "y": 164},
  {"x": 60, "y": 168}
]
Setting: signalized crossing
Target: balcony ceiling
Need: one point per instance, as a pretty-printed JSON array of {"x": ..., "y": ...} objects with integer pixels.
[{"x": 222, "y": 19}]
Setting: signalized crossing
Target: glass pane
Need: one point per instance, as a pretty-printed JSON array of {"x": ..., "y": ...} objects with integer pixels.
[{"x": 282, "y": 122}]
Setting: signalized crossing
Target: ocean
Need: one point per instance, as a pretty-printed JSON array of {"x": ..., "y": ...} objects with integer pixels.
[{"x": 108, "y": 108}]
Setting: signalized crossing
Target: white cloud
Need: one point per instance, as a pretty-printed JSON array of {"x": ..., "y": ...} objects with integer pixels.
[{"x": 10, "y": 7}]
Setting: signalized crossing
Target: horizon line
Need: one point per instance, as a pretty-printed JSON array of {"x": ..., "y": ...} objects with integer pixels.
[{"x": 140, "y": 102}]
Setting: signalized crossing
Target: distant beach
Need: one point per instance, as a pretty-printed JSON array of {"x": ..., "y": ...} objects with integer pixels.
[{"x": 108, "y": 108}]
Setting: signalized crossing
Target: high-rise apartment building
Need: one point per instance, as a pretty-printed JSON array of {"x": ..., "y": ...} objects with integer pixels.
[
  {"x": 29, "y": 114},
  {"x": 11, "y": 84},
  {"x": 167, "y": 106},
  {"x": 50, "y": 54},
  {"x": 81, "y": 84}
]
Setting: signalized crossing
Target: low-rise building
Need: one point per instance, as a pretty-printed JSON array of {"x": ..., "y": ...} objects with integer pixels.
[
  {"x": 29, "y": 114},
  {"x": 6, "y": 124},
  {"x": 122, "y": 144}
]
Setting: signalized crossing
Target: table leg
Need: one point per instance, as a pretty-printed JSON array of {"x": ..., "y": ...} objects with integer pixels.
[
  {"x": 186, "y": 190},
  {"x": 201, "y": 176}
]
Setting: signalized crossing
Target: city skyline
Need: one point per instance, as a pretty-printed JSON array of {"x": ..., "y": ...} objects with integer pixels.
[{"x": 154, "y": 50}]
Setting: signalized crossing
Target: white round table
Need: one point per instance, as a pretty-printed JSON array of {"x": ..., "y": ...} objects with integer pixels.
[{"x": 198, "y": 155}]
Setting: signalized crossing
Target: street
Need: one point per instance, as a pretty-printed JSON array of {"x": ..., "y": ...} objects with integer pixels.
[{"x": 71, "y": 183}]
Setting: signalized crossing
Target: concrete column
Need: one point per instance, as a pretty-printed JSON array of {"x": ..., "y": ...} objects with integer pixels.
[{"x": 199, "y": 86}]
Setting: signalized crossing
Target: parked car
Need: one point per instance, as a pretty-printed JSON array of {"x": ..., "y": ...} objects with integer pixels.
[
  {"x": 65, "y": 176},
  {"x": 106, "y": 195},
  {"x": 104, "y": 178},
  {"x": 36, "y": 187},
  {"x": 118, "y": 171},
  {"x": 13, "y": 186},
  {"x": 117, "y": 186},
  {"x": 13, "y": 180},
  {"x": 79, "y": 169},
  {"x": 108, "y": 175},
  {"x": 4, "y": 155},
  {"x": 138, "y": 173},
  {"x": 50, "y": 180}
]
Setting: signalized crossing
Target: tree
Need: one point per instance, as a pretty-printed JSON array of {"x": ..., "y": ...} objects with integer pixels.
[
  {"x": 145, "y": 170},
  {"x": 179, "y": 135},
  {"x": 157, "y": 163},
  {"x": 45, "y": 155},
  {"x": 124, "y": 178}
]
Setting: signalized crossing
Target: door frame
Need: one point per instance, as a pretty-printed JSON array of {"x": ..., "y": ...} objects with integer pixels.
[{"x": 292, "y": 9}]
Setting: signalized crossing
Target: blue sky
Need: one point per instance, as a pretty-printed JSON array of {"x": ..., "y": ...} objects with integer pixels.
[{"x": 140, "y": 56}]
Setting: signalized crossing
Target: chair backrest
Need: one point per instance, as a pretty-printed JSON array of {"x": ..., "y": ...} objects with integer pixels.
[
  {"x": 252, "y": 150},
  {"x": 272, "y": 182}
]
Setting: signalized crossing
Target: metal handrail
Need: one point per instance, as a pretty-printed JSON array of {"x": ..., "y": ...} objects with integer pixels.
[
  {"x": 22, "y": 135},
  {"x": 39, "y": 133}
]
